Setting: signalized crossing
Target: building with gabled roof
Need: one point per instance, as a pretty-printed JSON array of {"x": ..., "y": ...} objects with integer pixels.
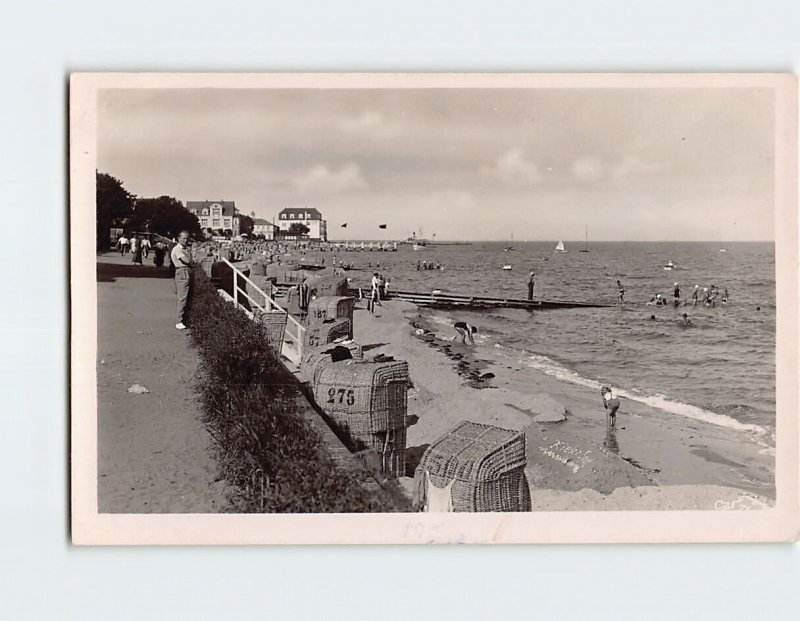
[
  {"x": 308, "y": 216},
  {"x": 216, "y": 215}
]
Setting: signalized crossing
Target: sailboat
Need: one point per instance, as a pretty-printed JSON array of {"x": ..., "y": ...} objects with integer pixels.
[
  {"x": 510, "y": 244},
  {"x": 585, "y": 249},
  {"x": 560, "y": 247}
]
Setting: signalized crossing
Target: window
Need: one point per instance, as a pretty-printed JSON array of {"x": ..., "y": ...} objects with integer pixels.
[
  {"x": 308, "y": 216},
  {"x": 205, "y": 211},
  {"x": 291, "y": 216},
  {"x": 215, "y": 222}
]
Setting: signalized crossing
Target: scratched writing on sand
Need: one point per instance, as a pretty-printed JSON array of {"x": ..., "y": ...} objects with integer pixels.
[{"x": 572, "y": 457}]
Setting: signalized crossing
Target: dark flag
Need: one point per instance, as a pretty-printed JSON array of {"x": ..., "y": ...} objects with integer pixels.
[
  {"x": 344, "y": 226},
  {"x": 381, "y": 226}
]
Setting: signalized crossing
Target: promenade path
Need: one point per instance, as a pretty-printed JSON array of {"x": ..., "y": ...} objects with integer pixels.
[{"x": 154, "y": 455}]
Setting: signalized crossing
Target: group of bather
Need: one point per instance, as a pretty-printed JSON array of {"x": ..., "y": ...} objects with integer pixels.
[
  {"x": 429, "y": 265},
  {"x": 708, "y": 296}
]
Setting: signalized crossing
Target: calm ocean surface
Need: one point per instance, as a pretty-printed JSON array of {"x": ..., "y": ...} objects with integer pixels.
[{"x": 722, "y": 369}]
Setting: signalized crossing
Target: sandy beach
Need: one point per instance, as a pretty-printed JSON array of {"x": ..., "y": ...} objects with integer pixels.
[
  {"x": 652, "y": 461},
  {"x": 154, "y": 455}
]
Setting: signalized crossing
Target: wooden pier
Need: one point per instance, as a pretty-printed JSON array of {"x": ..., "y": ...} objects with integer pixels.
[{"x": 476, "y": 302}]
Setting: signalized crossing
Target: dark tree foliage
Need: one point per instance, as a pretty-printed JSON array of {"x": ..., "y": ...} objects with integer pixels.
[
  {"x": 114, "y": 204},
  {"x": 298, "y": 228},
  {"x": 246, "y": 224},
  {"x": 163, "y": 215}
]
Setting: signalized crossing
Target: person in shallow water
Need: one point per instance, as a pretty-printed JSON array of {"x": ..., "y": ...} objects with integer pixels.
[
  {"x": 685, "y": 321},
  {"x": 465, "y": 331},
  {"x": 621, "y": 291},
  {"x": 611, "y": 404}
]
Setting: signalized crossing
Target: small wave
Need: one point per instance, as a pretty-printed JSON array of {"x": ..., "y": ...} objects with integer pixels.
[{"x": 658, "y": 401}]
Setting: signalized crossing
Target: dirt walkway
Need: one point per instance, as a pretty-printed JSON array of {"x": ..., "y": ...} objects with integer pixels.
[{"x": 153, "y": 452}]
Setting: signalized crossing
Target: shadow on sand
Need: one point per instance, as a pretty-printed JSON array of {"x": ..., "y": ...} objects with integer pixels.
[{"x": 109, "y": 272}]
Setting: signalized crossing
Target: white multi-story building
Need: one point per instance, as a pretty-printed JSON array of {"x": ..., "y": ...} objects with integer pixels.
[
  {"x": 216, "y": 215},
  {"x": 264, "y": 227},
  {"x": 307, "y": 216}
]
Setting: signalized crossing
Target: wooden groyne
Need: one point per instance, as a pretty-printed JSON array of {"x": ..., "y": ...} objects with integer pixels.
[{"x": 476, "y": 302}]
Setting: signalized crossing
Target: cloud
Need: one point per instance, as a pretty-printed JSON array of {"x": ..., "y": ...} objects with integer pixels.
[
  {"x": 365, "y": 121},
  {"x": 587, "y": 169},
  {"x": 449, "y": 198},
  {"x": 321, "y": 179},
  {"x": 632, "y": 166},
  {"x": 513, "y": 169}
]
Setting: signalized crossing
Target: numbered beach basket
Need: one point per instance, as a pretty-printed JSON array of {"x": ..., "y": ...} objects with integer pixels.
[
  {"x": 322, "y": 332},
  {"x": 486, "y": 465},
  {"x": 368, "y": 402},
  {"x": 328, "y": 285},
  {"x": 332, "y": 307}
]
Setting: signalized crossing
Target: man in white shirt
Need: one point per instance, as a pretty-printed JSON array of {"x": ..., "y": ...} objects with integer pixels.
[
  {"x": 182, "y": 261},
  {"x": 123, "y": 245},
  {"x": 146, "y": 247}
]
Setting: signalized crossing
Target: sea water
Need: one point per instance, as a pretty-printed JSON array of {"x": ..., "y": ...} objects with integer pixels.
[{"x": 720, "y": 370}]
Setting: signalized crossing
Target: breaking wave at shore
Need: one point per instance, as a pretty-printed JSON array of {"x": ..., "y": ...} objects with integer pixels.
[{"x": 658, "y": 401}]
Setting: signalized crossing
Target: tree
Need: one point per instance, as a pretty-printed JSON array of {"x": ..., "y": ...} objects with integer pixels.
[
  {"x": 298, "y": 229},
  {"x": 114, "y": 204},
  {"x": 246, "y": 224},
  {"x": 163, "y": 215}
]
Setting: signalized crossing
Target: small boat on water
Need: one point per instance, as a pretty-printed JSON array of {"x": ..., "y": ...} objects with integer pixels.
[
  {"x": 723, "y": 250},
  {"x": 560, "y": 247},
  {"x": 669, "y": 265},
  {"x": 506, "y": 267}
]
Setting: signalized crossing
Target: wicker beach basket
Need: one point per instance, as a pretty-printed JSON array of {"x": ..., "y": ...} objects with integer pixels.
[
  {"x": 207, "y": 264},
  {"x": 322, "y": 332},
  {"x": 262, "y": 282},
  {"x": 368, "y": 402},
  {"x": 328, "y": 285},
  {"x": 258, "y": 268},
  {"x": 274, "y": 324},
  {"x": 316, "y": 358},
  {"x": 487, "y": 464},
  {"x": 332, "y": 307}
]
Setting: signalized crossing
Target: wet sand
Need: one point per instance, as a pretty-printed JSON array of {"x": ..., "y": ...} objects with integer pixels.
[{"x": 652, "y": 460}]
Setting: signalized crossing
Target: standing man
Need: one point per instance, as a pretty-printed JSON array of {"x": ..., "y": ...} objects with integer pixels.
[
  {"x": 695, "y": 293},
  {"x": 531, "y": 285},
  {"x": 182, "y": 261},
  {"x": 676, "y": 295},
  {"x": 146, "y": 247},
  {"x": 621, "y": 290},
  {"x": 123, "y": 245},
  {"x": 375, "y": 295}
]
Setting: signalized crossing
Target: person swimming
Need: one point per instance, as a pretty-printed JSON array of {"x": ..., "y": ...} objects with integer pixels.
[{"x": 685, "y": 321}]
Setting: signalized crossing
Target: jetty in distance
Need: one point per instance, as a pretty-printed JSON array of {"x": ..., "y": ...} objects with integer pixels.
[{"x": 476, "y": 302}]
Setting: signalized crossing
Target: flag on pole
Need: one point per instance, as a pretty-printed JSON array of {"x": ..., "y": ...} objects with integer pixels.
[
  {"x": 344, "y": 226},
  {"x": 381, "y": 226}
]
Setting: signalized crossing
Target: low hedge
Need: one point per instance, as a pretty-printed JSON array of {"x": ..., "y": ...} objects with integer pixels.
[{"x": 272, "y": 456}]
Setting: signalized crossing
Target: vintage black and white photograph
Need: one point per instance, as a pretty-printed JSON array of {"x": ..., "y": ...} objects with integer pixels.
[{"x": 560, "y": 302}]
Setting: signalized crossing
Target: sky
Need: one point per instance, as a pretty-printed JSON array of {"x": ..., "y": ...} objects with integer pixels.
[{"x": 645, "y": 164}]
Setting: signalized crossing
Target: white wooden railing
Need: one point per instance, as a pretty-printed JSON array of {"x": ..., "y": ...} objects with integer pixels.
[{"x": 292, "y": 347}]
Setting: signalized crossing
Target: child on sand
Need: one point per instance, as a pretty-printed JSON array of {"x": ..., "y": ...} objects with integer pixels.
[{"x": 465, "y": 331}]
